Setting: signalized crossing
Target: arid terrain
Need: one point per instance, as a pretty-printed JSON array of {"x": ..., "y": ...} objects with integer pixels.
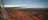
[{"x": 26, "y": 14}]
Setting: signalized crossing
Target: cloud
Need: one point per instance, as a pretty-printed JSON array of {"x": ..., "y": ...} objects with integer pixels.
[
  {"x": 25, "y": 6},
  {"x": 14, "y": 5}
]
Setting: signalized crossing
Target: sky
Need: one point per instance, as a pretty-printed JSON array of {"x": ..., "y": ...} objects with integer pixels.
[{"x": 26, "y": 3}]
